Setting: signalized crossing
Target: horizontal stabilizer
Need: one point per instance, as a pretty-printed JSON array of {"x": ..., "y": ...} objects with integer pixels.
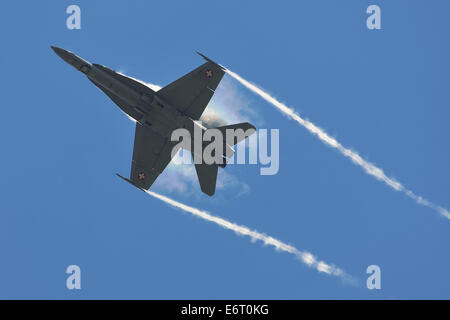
[{"x": 240, "y": 130}]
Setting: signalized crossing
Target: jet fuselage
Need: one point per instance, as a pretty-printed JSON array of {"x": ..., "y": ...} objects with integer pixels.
[{"x": 149, "y": 109}]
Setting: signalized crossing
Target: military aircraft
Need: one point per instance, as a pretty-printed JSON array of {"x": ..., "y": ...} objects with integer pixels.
[{"x": 158, "y": 113}]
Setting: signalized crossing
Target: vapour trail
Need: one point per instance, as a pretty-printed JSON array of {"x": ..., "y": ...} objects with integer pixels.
[
  {"x": 368, "y": 167},
  {"x": 306, "y": 257}
]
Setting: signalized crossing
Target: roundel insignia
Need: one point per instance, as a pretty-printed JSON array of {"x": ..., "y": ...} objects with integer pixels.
[
  {"x": 208, "y": 73},
  {"x": 141, "y": 175}
]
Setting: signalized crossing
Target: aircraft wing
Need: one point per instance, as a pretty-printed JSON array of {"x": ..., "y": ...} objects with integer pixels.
[
  {"x": 191, "y": 93},
  {"x": 151, "y": 154}
]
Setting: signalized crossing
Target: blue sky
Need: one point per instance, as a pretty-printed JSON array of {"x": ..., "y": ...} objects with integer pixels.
[{"x": 382, "y": 93}]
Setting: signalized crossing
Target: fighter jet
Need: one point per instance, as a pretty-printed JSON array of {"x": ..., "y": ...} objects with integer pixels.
[{"x": 158, "y": 113}]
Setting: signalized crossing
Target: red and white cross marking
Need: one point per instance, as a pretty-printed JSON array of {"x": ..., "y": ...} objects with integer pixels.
[
  {"x": 141, "y": 175},
  {"x": 208, "y": 73}
]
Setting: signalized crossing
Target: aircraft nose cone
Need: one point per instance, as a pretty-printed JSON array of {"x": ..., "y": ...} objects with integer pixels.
[
  {"x": 63, "y": 54},
  {"x": 58, "y": 51}
]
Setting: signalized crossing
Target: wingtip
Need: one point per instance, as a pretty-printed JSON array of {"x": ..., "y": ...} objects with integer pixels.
[
  {"x": 208, "y": 59},
  {"x": 201, "y": 55},
  {"x": 123, "y": 178},
  {"x": 129, "y": 181}
]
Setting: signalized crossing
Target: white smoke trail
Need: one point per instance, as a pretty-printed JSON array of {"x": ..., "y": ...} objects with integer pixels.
[
  {"x": 370, "y": 168},
  {"x": 304, "y": 256}
]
